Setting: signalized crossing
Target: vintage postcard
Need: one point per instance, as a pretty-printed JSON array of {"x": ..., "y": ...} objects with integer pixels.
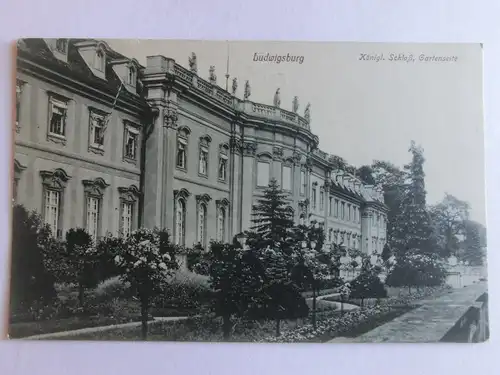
[{"x": 282, "y": 192}]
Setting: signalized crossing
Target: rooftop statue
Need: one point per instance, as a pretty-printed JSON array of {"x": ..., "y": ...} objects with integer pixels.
[
  {"x": 212, "y": 75},
  {"x": 277, "y": 99},
  {"x": 307, "y": 112},
  {"x": 248, "y": 91},
  {"x": 295, "y": 104},
  {"x": 193, "y": 65},
  {"x": 235, "y": 85}
]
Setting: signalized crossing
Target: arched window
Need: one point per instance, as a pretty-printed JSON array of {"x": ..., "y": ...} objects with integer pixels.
[
  {"x": 180, "y": 222},
  {"x": 100, "y": 60},
  {"x": 202, "y": 218},
  {"x": 221, "y": 225}
]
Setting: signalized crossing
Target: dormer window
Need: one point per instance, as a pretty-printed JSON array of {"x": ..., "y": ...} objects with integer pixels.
[
  {"x": 132, "y": 76},
  {"x": 62, "y": 45},
  {"x": 100, "y": 60}
]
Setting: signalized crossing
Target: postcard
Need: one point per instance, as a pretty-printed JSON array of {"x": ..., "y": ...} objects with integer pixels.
[{"x": 278, "y": 192}]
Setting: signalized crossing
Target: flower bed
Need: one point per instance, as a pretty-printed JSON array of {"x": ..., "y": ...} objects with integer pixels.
[{"x": 329, "y": 325}]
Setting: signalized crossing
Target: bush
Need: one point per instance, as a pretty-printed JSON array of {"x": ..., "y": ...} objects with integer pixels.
[
  {"x": 185, "y": 290},
  {"x": 113, "y": 288}
]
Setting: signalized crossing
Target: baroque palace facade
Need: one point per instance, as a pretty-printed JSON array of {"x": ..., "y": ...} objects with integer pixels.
[{"x": 106, "y": 144}]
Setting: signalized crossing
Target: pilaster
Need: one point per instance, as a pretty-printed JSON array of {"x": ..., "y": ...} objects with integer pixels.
[{"x": 248, "y": 174}]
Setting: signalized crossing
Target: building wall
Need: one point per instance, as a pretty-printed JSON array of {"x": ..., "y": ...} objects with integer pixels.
[
  {"x": 36, "y": 152},
  {"x": 249, "y": 132}
]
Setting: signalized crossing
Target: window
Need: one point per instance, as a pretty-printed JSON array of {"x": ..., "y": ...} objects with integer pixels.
[
  {"x": 302, "y": 182},
  {"x": 181, "y": 154},
  {"x": 53, "y": 182},
  {"x": 52, "y": 209},
  {"x": 203, "y": 162},
  {"x": 321, "y": 200},
  {"x": 202, "y": 217},
  {"x": 180, "y": 222},
  {"x": 92, "y": 224},
  {"x": 336, "y": 208},
  {"x": 222, "y": 167},
  {"x": 96, "y": 130},
  {"x": 221, "y": 225},
  {"x": 348, "y": 212},
  {"x": 354, "y": 243},
  {"x": 127, "y": 210},
  {"x": 342, "y": 213},
  {"x": 287, "y": 178},
  {"x": 19, "y": 92},
  {"x": 62, "y": 45},
  {"x": 57, "y": 117},
  {"x": 330, "y": 235},
  {"x": 355, "y": 214},
  {"x": 100, "y": 61},
  {"x": 330, "y": 206},
  {"x": 263, "y": 174},
  {"x": 313, "y": 198},
  {"x": 130, "y": 143},
  {"x": 131, "y": 78}
]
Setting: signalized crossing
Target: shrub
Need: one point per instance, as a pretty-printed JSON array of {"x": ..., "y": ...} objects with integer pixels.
[
  {"x": 32, "y": 285},
  {"x": 113, "y": 288},
  {"x": 367, "y": 285},
  {"x": 184, "y": 289}
]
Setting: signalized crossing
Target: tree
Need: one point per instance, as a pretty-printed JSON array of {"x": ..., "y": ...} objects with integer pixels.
[
  {"x": 313, "y": 264},
  {"x": 237, "y": 277},
  {"x": 414, "y": 269},
  {"x": 272, "y": 219},
  {"x": 449, "y": 217},
  {"x": 386, "y": 253},
  {"x": 473, "y": 253},
  {"x": 365, "y": 174},
  {"x": 414, "y": 229},
  {"x": 146, "y": 260},
  {"x": 392, "y": 180},
  {"x": 367, "y": 284},
  {"x": 81, "y": 260},
  {"x": 31, "y": 283}
]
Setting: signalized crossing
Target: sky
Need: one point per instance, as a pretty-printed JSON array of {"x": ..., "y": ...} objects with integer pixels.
[{"x": 363, "y": 109}]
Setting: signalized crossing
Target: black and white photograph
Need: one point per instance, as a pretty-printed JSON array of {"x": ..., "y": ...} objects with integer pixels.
[{"x": 244, "y": 191}]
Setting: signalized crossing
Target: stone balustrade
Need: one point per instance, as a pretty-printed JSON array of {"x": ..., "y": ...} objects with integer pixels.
[{"x": 250, "y": 108}]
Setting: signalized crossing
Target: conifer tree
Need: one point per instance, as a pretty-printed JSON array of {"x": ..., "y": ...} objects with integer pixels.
[
  {"x": 272, "y": 218},
  {"x": 414, "y": 229}
]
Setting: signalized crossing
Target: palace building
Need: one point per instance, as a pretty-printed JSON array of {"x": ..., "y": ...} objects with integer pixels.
[{"x": 106, "y": 144}]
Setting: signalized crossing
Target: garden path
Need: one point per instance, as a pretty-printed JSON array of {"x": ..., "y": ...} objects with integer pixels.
[{"x": 100, "y": 329}]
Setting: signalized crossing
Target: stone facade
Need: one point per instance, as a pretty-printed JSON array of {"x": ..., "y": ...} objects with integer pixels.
[{"x": 105, "y": 143}]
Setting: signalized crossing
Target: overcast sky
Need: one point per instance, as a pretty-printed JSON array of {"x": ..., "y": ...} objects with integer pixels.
[{"x": 365, "y": 110}]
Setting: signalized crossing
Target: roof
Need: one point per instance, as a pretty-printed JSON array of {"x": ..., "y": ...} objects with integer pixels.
[{"x": 37, "y": 51}]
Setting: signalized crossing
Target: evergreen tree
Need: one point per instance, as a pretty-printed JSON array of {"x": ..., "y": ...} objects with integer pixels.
[
  {"x": 367, "y": 284},
  {"x": 386, "y": 253},
  {"x": 414, "y": 228},
  {"x": 473, "y": 253},
  {"x": 272, "y": 219}
]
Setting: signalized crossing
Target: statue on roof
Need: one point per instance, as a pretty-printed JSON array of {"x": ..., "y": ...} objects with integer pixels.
[
  {"x": 307, "y": 112},
  {"x": 277, "y": 99},
  {"x": 248, "y": 90},
  {"x": 193, "y": 65},
  {"x": 235, "y": 85},
  {"x": 295, "y": 104},
  {"x": 212, "y": 76}
]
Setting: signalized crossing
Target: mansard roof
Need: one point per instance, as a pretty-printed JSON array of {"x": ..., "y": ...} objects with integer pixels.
[{"x": 37, "y": 51}]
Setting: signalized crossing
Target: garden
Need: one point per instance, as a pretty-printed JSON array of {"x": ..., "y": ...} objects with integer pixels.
[{"x": 277, "y": 282}]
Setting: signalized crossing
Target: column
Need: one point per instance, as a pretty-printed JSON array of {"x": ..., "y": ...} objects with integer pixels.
[
  {"x": 366, "y": 236},
  {"x": 235, "y": 184},
  {"x": 296, "y": 185},
  {"x": 248, "y": 181}
]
